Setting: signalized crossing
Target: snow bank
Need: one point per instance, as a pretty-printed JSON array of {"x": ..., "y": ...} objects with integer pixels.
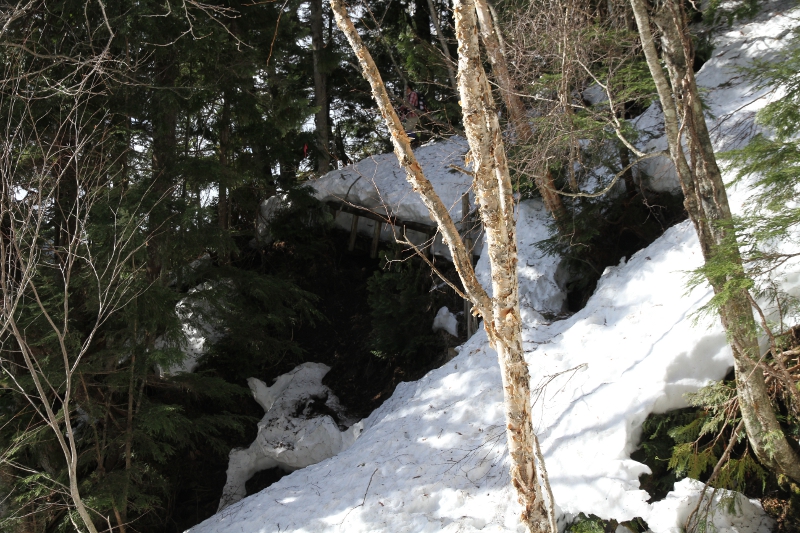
[
  {"x": 291, "y": 434},
  {"x": 433, "y": 457},
  {"x": 671, "y": 513},
  {"x": 731, "y": 101},
  {"x": 379, "y": 184}
]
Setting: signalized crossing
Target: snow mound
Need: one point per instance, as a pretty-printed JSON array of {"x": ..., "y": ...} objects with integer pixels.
[
  {"x": 446, "y": 321},
  {"x": 292, "y": 434},
  {"x": 379, "y": 183},
  {"x": 671, "y": 513},
  {"x": 541, "y": 280},
  {"x": 731, "y": 101}
]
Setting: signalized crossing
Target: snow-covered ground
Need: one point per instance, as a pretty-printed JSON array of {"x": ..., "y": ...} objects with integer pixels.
[{"x": 433, "y": 457}]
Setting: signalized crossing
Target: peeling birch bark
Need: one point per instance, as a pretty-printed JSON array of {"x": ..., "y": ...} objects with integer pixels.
[
  {"x": 494, "y": 194},
  {"x": 707, "y": 204}
]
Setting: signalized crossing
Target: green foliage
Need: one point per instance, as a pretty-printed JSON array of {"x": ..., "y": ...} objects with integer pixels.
[
  {"x": 689, "y": 443},
  {"x": 402, "y": 312},
  {"x": 304, "y": 223},
  {"x": 771, "y": 161},
  {"x": 257, "y": 314},
  {"x": 718, "y": 10},
  {"x": 587, "y": 524},
  {"x": 773, "y": 157}
]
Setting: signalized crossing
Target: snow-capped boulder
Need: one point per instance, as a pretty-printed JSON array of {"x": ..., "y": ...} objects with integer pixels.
[{"x": 293, "y": 433}]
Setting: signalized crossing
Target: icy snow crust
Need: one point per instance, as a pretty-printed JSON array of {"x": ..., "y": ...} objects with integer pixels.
[{"x": 433, "y": 457}]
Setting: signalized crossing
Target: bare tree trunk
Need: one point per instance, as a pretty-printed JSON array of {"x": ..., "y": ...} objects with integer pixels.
[
  {"x": 514, "y": 105},
  {"x": 320, "y": 90},
  {"x": 422, "y": 21},
  {"x": 223, "y": 204},
  {"x": 493, "y": 191},
  {"x": 165, "y": 120},
  {"x": 707, "y": 204}
]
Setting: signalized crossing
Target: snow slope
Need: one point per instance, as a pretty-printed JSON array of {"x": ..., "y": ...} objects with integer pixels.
[{"x": 433, "y": 457}]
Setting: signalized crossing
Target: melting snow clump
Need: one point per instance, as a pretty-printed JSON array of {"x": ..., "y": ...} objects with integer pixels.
[
  {"x": 291, "y": 435},
  {"x": 445, "y": 320},
  {"x": 670, "y": 514}
]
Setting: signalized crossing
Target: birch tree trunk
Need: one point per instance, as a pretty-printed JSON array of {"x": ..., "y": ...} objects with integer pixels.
[
  {"x": 707, "y": 204},
  {"x": 493, "y": 191},
  {"x": 514, "y": 105}
]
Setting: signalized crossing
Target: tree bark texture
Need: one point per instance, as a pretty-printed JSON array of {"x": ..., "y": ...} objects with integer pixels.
[
  {"x": 493, "y": 191},
  {"x": 516, "y": 109},
  {"x": 422, "y": 21},
  {"x": 223, "y": 203},
  {"x": 165, "y": 121},
  {"x": 321, "y": 122},
  {"x": 414, "y": 175},
  {"x": 707, "y": 204},
  {"x": 494, "y": 195}
]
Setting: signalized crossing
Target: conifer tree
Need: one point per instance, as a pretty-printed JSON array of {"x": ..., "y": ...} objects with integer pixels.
[{"x": 706, "y": 203}]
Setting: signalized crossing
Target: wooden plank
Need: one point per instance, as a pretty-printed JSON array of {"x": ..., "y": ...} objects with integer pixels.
[
  {"x": 351, "y": 244},
  {"x": 376, "y": 237}
]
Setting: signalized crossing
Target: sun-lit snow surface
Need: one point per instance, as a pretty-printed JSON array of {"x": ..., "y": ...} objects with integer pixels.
[
  {"x": 378, "y": 183},
  {"x": 672, "y": 512},
  {"x": 433, "y": 457},
  {"x": 731, "y": 103}
]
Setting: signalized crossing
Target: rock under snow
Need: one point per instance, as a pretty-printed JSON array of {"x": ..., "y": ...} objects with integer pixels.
[
  {"x": 433, "y": 457},
  {"x": 292, "y": 434},
  {"x": 446, "y": 321}
]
